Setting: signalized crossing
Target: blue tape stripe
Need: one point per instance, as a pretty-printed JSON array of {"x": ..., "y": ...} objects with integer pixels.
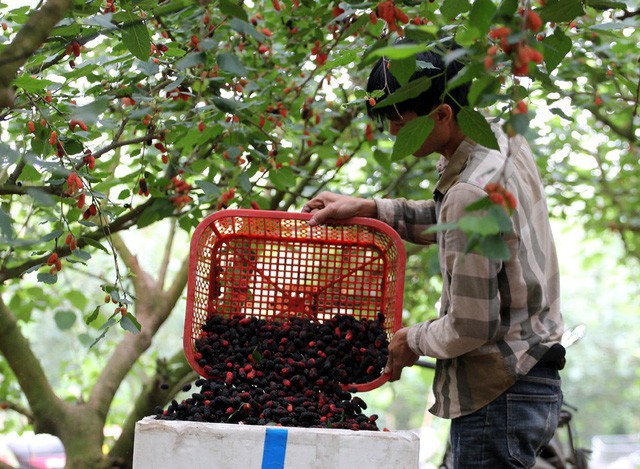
[{"x": 275, "y": 448}]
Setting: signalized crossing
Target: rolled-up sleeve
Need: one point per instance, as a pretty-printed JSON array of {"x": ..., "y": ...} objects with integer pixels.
[
  {"x": 410, "y": 218},
  {"x": 470, "y": 311}
]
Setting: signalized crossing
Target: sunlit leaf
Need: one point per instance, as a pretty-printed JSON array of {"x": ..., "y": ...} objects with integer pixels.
[
  {"x": 411, "y": 90},
  {"x": 556, "y": 47},
  {"x": 411, "y": 136},
  {"x": 402, "y": 69},
  {"x": 233, "y": 9},
  {"x": 64, "y": 319},
  {"x": 482, "y": 225},
  {"x": 47, "y": 278},
  {"x": 6, "y": 225},
  {"x": 561, "y": 10},
  {"x": 135, "y": 37},
  {"x": 282, "y": 178},
  {"x": 452, "y": 8},
  {"x": 32, "y": 84},
  {"x": 231, "y": 64},
  {"x": 129, "y": 323},
  {"x": 475, "y": 126},
  {"x": 494, "y": 247}
]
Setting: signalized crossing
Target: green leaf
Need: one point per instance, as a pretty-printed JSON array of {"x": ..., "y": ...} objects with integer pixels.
[
  {"x": 452, "y": 8},
  {"x": 379, "y": 44},
  {"x": 78, "y": 299},
  {"x": 209, "y": 188},
  {"x": 467, "y": 35},
  {"x": 476, "y": 127},
  {"x": 483, "y": 225},
  {"x": 91, "y": 112},
  {"x": 507, "y": 9},
  {"x": 94, "y": 243},
  {"x": 103, "y": 21},
  {"x": 159, "y": 209},
  {"x": 225, "y": 105},
  {"x": 257, "y": 356},
  {"x": 243, "y": 27},
  {"x": 135, "y": 37},
  {"x": 41, "y": 196},
  {"x": 411, "y": 136},
  {"x": 494, "y": 247},
  {"x": 231, "y": 64},
  {"x": 606, "y": 4},
  {"x": 481, "y": 15},
  {"x": 611, "y": 26},
  {"x": 115, "y": 295},
  {"x": 359, "y": 93},
  {"x": 6, "y": 225},
  {"x": 483, "y": 90},
  {"x": 442, "y": 227},
  {"x": 82, "y": 255},
  {"x": 192, "y": 59},
  {"x": 47, "y": 278},
  {"x": 345, "y": 58},
  {"x": 556, "y": 46},
  {"x": 31, "y": 84},
  {"x": 130, "y": 323},
  {"x": 501, "y": 217},
  {"x": 402, "y": 69},
  {"x": 65, "y": 319},
  {"x": 244, "y": 182},
  {"x": 382, "y": 158},
  {"x": 235, "y": 10},
  {"x": 283, "y": 178},
  {"x": 52, "y": 235},
  {"x": 559, "y": 112},
  {"x": 519, "y": 123},
  {"x": 356, "y": 25},
  {"x": 396, "y": 52},
  {"x": 561, "y": 10},
  {"x": 481, "y": 204},
  {"x": 8, "y": 155},
  {"x": 410, "y": 90},
  {"x": 66, "y": 28}
]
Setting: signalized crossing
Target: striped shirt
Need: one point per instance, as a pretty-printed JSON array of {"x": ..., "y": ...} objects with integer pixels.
[{"x": 497, "y": 318}]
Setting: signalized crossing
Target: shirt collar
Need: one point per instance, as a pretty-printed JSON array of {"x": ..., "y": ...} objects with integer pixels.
[{"x": 454, "y": 166}]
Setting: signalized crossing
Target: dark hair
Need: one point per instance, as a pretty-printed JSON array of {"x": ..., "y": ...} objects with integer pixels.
[{"x": 440, "y": 73}]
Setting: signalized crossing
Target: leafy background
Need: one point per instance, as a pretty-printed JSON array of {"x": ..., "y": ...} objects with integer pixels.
[{"x": 261, "y": 104}]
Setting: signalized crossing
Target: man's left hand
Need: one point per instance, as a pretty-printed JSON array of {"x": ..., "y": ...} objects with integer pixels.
[{"x": 400, "y": 355}]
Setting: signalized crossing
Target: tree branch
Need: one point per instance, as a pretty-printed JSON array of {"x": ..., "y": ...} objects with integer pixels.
[
  {"x": 174, "y": 374},
  {"x": 27, "y": 42},
  {"x": 119, "y": 224},
  {"x": 46, "y": 407},
  {"x": 141, "y": 279},
  {"x": 153, "y": 307},
  {"x": 164, "y": 265}
]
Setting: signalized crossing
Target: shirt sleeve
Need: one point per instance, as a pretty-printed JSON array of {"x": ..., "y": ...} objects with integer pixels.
[
  {"x": 410, "y": 218},
  {"x": 470, "y": 313}
]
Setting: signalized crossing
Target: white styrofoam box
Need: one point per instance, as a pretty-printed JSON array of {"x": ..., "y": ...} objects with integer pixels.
[{"x": 188, "y": 445}]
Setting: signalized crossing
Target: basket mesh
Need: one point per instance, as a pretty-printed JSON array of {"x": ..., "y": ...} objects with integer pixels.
[{"x": 273, "y": 264}]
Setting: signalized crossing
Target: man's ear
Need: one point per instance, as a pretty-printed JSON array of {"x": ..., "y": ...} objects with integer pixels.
[{"x": 444, "y": 113}]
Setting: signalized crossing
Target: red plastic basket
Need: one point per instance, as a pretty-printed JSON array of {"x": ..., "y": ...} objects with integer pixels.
[{"x": 272, "y": 264}]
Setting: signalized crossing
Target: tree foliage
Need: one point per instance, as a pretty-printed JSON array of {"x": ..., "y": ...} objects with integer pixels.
[{"x": 121, "y": 115}]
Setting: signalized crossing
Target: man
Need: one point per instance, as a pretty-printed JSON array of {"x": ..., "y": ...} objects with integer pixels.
[{"x": 496, "y": 338}]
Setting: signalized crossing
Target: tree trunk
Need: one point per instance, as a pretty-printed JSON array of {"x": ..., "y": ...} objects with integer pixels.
[{"x": 82, "y": 435}]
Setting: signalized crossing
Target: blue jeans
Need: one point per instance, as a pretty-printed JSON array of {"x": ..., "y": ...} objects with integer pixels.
[{"x": 510, "y": 431}]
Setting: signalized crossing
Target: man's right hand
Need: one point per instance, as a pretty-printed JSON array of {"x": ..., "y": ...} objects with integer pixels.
[{"x": 331, "y": 206}]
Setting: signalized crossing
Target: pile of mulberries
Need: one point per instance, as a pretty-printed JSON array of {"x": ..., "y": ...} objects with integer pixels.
[{"x": 292, "y": 372}]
